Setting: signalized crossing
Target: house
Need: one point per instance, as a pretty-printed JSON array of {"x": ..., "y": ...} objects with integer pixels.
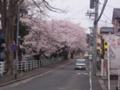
[{"x": 116, "y": 20}]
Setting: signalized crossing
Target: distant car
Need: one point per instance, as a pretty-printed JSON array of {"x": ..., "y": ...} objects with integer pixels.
[{"x": 80, "y": 64}]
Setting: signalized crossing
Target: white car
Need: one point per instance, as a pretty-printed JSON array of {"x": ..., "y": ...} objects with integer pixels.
[{"x": 80, "y": 64}]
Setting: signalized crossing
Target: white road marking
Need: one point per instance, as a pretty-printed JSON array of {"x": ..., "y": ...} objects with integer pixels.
[
  {"x": 79, "y": 73},
  {"x": 65, "y": 89},
  {"x": 61, "y": 88},
  {"x": 26, "y": 80},
  {"x": 82, "y": 73}
]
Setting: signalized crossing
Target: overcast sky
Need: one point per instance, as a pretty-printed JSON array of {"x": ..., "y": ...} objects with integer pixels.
[{"x": 76, "y": 9}]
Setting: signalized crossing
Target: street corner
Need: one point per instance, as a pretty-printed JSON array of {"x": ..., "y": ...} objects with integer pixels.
[{"x": 102, "y": 83}]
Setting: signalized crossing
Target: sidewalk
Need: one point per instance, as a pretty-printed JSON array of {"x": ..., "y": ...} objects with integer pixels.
[
  {"x": 113, "y": 85},
  {"x": 101, "y": 80},
  {"x": 104, "y": 83},
  {"x": 6, "y": 80},
  {"x": 96, "y": 84}
]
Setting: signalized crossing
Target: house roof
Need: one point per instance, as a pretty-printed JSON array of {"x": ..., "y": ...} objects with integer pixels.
[
  {"x": 105, "y": 30},
  {"x": 116, "y": 14}
]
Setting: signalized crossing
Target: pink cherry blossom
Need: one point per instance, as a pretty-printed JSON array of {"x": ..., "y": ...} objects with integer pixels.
[{"x": 52, "y": 35}]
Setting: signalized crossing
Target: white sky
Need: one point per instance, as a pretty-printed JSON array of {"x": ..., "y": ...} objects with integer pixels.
[{"x": 76, "y": 10}]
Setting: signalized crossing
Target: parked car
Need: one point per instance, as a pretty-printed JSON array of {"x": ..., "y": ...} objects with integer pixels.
[{"x": 80, "y": 64}]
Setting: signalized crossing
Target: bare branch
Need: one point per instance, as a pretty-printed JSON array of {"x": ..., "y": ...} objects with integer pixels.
[
  {"x": 18, "y": 1},
  {"x": 1, "y": 5},
  {"x": 37, "y": 6},
  {"x": 0, "y": 2},
  {"x": 48, "y": 6}
]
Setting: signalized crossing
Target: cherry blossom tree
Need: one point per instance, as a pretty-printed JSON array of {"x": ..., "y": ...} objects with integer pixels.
[
  {"x": 9, "y": 10},
  {"x": 54, "y": 34}
]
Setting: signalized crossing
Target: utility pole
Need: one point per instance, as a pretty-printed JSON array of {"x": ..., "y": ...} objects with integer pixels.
[
  {"x": 94, "y": 4},
  {"x": 94, "y": 36}
]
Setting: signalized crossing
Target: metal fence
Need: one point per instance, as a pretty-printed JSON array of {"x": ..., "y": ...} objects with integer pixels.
[
  {"x": 29, "y": 63},
  {"x": 2, "y": 68}
]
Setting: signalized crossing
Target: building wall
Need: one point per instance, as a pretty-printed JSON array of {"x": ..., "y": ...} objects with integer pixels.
[{"x": 116, "y": 26}]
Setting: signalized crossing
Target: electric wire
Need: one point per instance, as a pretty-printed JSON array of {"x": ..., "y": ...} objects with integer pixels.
[{"x": 103, "y": 8}]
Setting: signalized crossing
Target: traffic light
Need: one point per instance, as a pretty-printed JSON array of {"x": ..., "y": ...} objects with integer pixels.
[
  {"x": 98, "y": 45},
  {"x": 99, "y": 48},
  {"x": 104, "y": 47}
]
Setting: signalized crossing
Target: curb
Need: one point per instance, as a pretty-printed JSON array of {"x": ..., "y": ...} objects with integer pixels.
[
  {"x": 29, "y": 78},
  {"x": 19, "y": 80}
]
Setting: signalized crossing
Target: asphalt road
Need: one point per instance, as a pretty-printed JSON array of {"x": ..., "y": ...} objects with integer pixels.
[{"x": 62, "y": 78}]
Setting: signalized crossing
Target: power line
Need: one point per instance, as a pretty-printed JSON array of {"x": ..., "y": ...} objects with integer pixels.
[
  {"x": 108, "y": 5},
  {"x": 105, "y": 21},
  {"x": 107, "y": 17},
  {"x": 103, "y": 8}
]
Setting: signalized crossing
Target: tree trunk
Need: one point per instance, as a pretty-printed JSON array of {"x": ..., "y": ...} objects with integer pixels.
[
  {"x": 9, "y": 39},
  {"x": 8, "y": 12},
  {"x": 8, "y": 17}
]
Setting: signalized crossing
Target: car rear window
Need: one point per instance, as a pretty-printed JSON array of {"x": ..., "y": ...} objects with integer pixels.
[{"x": 80, "y": 61}]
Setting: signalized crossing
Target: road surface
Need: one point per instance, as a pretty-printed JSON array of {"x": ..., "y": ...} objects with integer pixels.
[{"x": 62, "y": 78}]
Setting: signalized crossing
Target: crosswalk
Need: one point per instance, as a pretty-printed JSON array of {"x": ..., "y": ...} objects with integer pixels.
[{"x": 82, "y": 73}]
